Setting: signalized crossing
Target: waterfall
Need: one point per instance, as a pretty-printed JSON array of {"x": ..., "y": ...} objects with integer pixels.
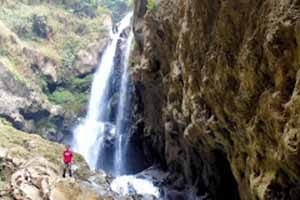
[
  {"x": 88, "y": 137},
  {"x": 122, "y": 138}
]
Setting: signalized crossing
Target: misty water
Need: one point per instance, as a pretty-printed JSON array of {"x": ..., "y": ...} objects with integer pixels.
[{"x": 90, "y": 135}]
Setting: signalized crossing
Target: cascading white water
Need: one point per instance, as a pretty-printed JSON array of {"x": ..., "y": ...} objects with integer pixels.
[
  {"x": 88, "y": 136},
  {"x": 122, "y": 139}
]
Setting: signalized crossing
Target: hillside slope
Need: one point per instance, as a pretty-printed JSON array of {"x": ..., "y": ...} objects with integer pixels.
[
  {"x": 48, "y": 51},
  {"x": 31, "y": 168}
]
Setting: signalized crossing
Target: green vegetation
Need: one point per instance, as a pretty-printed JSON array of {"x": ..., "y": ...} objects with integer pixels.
[
  {"x": 118, "y": 8},
  {"x": 58, "y": 23},
  {"x": 32, "y": 31},
  {"x": 12, "y": 139},
  {"x": 3, "y": 52},
  {"x": 68, "y": 99},
  {"x": 16, "y": 142},
  {"x": 81, "y": 84},
  {"x": 8, "y": 64},
  {"x": 45, "y": 123},
  {"x": 2, "y": 177},
  {"x": 69, "y": 50},
  {"x": 62, "y": 96},
  {"x": 151, "y": 4},
  {"x": 73, "y": 94}
]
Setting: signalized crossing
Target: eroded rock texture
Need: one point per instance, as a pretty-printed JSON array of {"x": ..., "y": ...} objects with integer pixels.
[{"x": 218, "y": 83}]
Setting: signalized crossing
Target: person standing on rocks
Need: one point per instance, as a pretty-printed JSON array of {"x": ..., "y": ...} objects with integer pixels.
[{"x": 67, "y": 157}]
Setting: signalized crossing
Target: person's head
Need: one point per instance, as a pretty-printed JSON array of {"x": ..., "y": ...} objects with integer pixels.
[{"x": 68, "y": 147}]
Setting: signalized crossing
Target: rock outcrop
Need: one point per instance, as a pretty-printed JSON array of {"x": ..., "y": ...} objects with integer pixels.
[
  {"x": 25, "y": 108},
  {"x": 218, "y": 88},
  {"x": 31, "y": 168},
  {"x": 87, "y": 60}
]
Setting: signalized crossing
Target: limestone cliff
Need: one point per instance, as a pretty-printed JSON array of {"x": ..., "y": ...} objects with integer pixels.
[{"x": 218, "y": 89}]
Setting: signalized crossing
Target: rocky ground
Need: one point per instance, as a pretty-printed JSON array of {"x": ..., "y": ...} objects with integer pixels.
[
  {"x": 217, "y": 85},
  {"x": 31, "y": 168}
]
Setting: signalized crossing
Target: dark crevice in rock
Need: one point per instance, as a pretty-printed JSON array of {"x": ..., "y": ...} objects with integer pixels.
[
  {"x": 51, "y": 87},
  {"x": 228, "y": 187},
  {"x": 35, "y": 115},
  {"x": 84, "y": 75}
]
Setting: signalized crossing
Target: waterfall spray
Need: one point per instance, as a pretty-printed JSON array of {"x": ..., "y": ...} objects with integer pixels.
[{"x": 88, "y": 136}]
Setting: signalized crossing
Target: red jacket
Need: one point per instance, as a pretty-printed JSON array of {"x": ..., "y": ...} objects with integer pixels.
[{"x": 68, "y": 156}]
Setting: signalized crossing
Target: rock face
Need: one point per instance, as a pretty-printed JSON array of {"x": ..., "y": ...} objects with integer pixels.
[
  {"x": 218, "y": 88},
  {"x": 87, "y": 60},
  {"x": 24, "y": 108}
]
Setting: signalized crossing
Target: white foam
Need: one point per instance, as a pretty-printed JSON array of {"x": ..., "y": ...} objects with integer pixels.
[{"x": 122, "y": 184}]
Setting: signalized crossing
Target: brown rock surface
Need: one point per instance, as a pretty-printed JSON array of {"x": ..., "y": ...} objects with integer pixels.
[
  {"x": 20, "y": 104},
  {"x": 87, "y": 60},
  {"x": 219, "y": 86}
]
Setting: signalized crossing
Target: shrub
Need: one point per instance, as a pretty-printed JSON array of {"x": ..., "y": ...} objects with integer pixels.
[
  {"x": 61, "y": 96},
  {"x": 2, "y": 177},
  {"x": 23, "y": 29},
  {"x": 81, "y": 84},
  {"x": 69, "y": 100},
  {"x": 151, "y": 4},
  {"x": 69, "y": 51},
  {"x": 3, "y": 52}
]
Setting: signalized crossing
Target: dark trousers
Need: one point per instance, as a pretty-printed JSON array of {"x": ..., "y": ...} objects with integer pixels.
[{"x": 67, "y": 168}]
